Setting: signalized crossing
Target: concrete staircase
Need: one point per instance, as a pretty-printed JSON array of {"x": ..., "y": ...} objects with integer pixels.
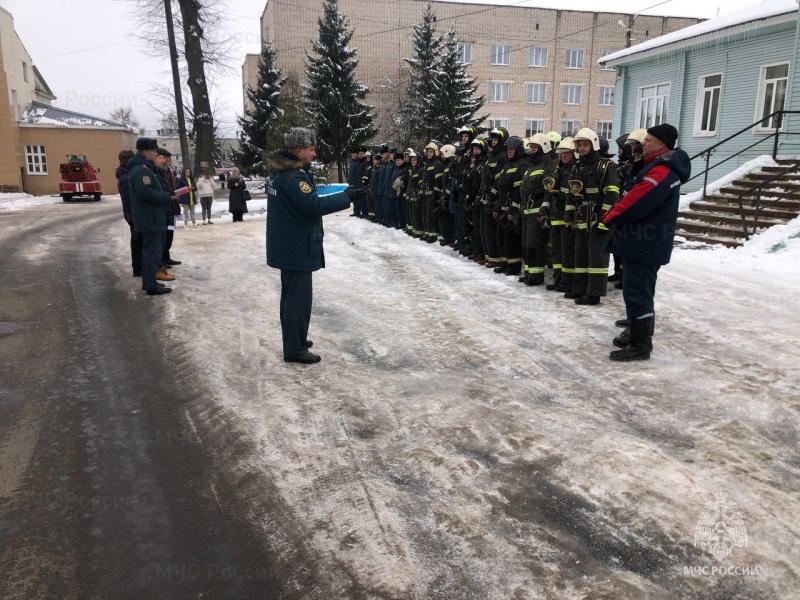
[{"x": 716, "y": 220}]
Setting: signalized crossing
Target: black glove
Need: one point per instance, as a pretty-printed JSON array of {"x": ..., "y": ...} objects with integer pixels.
[{"x": 355, "y": 194}]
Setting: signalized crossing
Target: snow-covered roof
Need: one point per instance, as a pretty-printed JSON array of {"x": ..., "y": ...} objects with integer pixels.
[
  {"x": 37, "y": 113},
  {"x": 773, "y": 11}
]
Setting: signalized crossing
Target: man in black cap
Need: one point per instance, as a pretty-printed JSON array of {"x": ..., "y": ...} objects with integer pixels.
[
  {"x": 642, "y": 228},
  {"x": 148, "y": 205}
]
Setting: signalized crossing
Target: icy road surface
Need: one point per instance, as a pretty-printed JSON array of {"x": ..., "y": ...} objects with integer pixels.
[{"x": 467, "y": 437}]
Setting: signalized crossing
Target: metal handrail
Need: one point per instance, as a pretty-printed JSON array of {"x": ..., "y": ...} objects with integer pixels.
[
  {"x": 774, "y": 136},
  {"x": 759, "y": 188}
]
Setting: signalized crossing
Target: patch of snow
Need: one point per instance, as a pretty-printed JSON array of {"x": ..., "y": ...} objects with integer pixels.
[{"x": 765, "y": 160}]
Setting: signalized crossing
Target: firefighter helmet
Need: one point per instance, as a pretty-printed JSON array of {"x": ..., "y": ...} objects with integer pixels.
[
  {"x": 587, "y": 135},
  {"x": 432, "y": 146},
  {"x": 500, "y": 133},
  {"x": 637, "y": 135},
  {"x": 480, "y": 143},
  {"x": 412, "y": 154},
  {"x": 448, "y": 150},
  {"x": 555, "y": 139},
  {"x": 566, "y": 145},
  {"x": 468, "y": 129},
  {"x": 515, "y": 143},
  {"x": 603, "y": 145},
  {"x": 540, "y": 140}
]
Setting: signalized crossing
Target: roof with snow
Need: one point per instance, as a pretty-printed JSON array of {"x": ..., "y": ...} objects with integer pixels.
[
  {"x": 747, "y": 19},
  {"x": 42, "y": 114}
]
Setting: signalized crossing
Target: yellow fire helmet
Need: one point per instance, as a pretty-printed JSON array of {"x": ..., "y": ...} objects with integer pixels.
[
  {"x": 432, "y": 146},
  {"x": 637, "y": 135},
  {"x": 555, "y": 138}
]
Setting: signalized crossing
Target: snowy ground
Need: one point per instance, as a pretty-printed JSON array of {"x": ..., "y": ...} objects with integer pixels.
[{"x": 467, "y": 437}]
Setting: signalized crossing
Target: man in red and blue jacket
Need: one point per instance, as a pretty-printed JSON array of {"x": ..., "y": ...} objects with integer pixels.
[{"x": 643, "y": 230}]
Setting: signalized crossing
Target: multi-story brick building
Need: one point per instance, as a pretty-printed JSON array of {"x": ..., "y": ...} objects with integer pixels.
[{"x": 537, "y": 68}]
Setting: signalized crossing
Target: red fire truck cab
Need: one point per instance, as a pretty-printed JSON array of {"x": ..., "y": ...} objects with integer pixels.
[{"x": 78, "y": 178}]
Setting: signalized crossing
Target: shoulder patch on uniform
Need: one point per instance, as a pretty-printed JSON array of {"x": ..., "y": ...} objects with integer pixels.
[
  {"x": 305, "y": 188},
  {"x": 146, "y": 180}
]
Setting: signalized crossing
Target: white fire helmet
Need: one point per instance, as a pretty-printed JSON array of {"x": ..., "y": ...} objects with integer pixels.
[
  {"x": 448, "y": 150},
  {"x": 588, "y": 135},
  {"x": 541, "y": 140}
]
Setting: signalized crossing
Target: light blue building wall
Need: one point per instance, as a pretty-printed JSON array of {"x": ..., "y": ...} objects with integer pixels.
[{"x": 753, "y": 64}]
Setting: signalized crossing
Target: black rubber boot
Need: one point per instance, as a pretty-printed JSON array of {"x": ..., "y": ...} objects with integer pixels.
[
  {"x": 622, "y": 323},
  {"x": 502, "y": 268},
  {"x": 588, "y": 300},
  {"x": 640, "y": 342},
  {"x": 623, "y": 338}
]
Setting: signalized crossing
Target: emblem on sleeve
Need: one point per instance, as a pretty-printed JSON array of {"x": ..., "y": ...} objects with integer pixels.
[
  {"x": 305, "y": 188},
  {"x": 146, "y": 180}
]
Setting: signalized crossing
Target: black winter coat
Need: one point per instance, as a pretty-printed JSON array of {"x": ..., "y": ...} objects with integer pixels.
[{"x": 236, "y": 202}]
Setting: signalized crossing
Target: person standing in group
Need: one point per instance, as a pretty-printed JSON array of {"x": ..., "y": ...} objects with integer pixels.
[
  {"x": 169, "y": 182},
  {"x": 205, "y": 191},
  {"x": 295, "y": 233},
  {"x": 556, "y": 209},
  {"x": 642, "y": 228},
  {"x": 237, "y": 205},
  {"x": 595, "y": 189},
  {"x": 188, "y": 200},
  {"x": 148, "y": 202},
  {"x": 124, "y": 188}
]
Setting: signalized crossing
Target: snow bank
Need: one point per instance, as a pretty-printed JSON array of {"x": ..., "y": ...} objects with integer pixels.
[{"x": 23, "y": 201}]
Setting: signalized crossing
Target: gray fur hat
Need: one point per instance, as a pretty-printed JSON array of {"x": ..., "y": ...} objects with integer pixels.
[{"x": 299, "y": 137}]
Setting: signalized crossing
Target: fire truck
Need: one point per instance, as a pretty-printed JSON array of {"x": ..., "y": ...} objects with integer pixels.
[{"x": 78, "y": 178}]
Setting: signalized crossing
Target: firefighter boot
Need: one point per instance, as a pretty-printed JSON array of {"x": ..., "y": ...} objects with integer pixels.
[
  {"x": 623, "y": 339},
  {"x": 513, "y": 269},
  {"x": 640, "y": 343}
]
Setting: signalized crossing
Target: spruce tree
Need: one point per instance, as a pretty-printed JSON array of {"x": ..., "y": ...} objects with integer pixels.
[
  {"x": 424, "y": 84},
  {"x": 258, "y": 121},
  {"x": 334, "y": 98},
  {"x": 454, "y": 104}
]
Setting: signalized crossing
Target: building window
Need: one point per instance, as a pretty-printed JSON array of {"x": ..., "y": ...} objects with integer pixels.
[
  {"x": 604, "y": 129},
  {"x": 534, "y": 126},
  {"x": 606, "y": 95},
  {"x": 501, "y": 54},
  {"x": 570, "y": 127},
  {"x": 572, "y": 94},
  {"x": 25, "y": 71},
  {"x": 498, "y": 91},
  {"x": 772, "y": 94},
  {"x": 536, "y": 93},
  {"x": 605, "y": 66},
  {"x": 15, "y": 102},
  {"x": 653, "y": 105},
  {"x": 537, "y": 57},
  {"x": 495, "y": 123},
  {"x": 36, "y": 160},
  {"x": 574, "y": 58},
  {"x": 707, "y": 110},
  {"x": 464, "y": 52}
]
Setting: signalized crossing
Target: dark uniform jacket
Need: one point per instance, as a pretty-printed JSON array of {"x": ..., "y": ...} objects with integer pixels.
[
  {"x": 471, "y": 180},
  {"x": 556, "y": 182},
  {"x": 532, "y": 191},
  {"x": 294, "y": 215},
  {"x": 509, "y": 182},
  {"x": 494, "y": 164},
  {"x": 124, "y": 188},
  {"x": 149, "y": 200},
  {"x": 643, "y": 223},
  {"x": 414, "y": 181},
  {"x": 596, "y": 192},
  {"x": 432, "y": 179}
]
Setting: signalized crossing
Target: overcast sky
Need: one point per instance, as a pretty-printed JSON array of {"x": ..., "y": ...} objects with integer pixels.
[{"x": 90, "y": 59}]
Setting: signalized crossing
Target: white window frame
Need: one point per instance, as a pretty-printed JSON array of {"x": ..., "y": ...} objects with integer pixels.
[
  {"x": 762, "y": 88},
  {"x": 564, "y": 88},
  {"x": 605, "y": 66},
  {"x": 580, "y": 55},
  {"x": 702, "y": 91},
  {"x": 605, "y": 134},
  {"x": 529, "y": 86},
  {"x": 507, "y": 85},
  {"x": 495, "y": 56},
  {"x": 35, "y": 158},
  {"x": 604, "y": 89},
  {"x": 465, "y": 52},
  {"x": 498, "y": 122},
  {"x": 573, "y": 129},
  {"x": 664, "y": 104},
  {"x": 532, "y": 54},
  {"x": 529, "y": 129}
]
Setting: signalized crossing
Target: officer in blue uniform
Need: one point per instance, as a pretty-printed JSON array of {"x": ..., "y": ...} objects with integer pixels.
[
  {"x": 148, "y": 199},
  {"x": 294, "y": 235}
]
